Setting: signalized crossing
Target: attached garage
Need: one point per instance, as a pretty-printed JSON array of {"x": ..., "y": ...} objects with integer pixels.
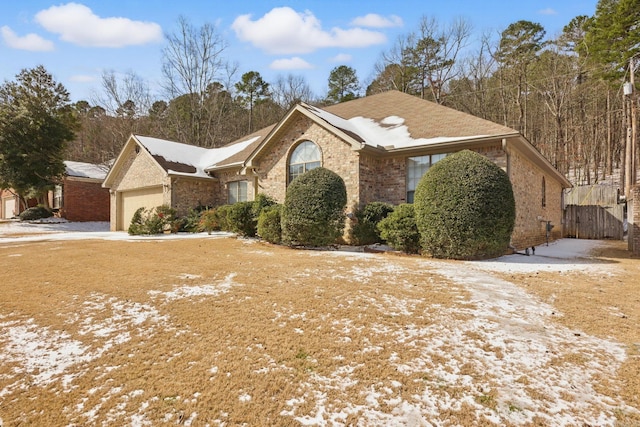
[
  {"x": 8, "y": 207},
  {"x": 132, "y": 200}
]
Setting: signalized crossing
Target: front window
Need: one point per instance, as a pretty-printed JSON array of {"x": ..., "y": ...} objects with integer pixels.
[
  {"x": 416, "y": 168},
  {"x": 237, "y": 191},
  {"x": 57, "y": 197},
  {"x": 305, "y": 156}
]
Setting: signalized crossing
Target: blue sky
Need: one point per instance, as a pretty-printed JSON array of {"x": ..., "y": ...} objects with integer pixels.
[{"x": 78, "y": 41}]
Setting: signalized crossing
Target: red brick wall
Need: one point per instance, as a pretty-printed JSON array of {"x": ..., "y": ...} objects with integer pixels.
[{"x": 84, "y": 200}]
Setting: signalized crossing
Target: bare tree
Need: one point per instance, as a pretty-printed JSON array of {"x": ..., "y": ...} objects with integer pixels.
[
  {"x": 290, "y": 89},
  {"x": 423, "y": 62},
  {"x": 120, "y": 89},
  {"x": 193, "y": 62}
]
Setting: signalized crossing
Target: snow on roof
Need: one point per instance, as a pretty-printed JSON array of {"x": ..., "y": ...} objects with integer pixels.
[
  {"x": 199, "y": 158},
  {"x": 85, "y": 170},
  {"x": 391, "y": 132}
]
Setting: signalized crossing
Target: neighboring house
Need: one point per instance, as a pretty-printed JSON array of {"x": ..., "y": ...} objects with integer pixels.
[
  {"x": 80, "y": 196},
  {"x": 10, "y": 204},
  {"x": 381, "y": 145}
]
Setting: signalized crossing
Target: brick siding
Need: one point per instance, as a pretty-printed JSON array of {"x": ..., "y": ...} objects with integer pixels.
[
  {"x": 337, "y": 156},
  {"x": 531, "y": 215},
  {"x": 84, "y": 200},
  {"x": 188, "y": 193}
]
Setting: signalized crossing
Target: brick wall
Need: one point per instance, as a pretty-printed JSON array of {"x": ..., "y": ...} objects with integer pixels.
[
  {"x": 188, "y": 193},
  {"x": 84, "y": 200},
  {"x": 138, "y": 171},
  {"x": 337, "y": 156},
  {"x": 531, "y": 215},
  {"x": 633, "y": 220}
]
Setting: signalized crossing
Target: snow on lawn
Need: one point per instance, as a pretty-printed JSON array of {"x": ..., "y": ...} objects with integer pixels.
[
  {"x": 500, "y": 353},
  {"x": 41, "y": 355},
  {"x": 559, "y": 256},
  {"x": 60, "y": 229}
]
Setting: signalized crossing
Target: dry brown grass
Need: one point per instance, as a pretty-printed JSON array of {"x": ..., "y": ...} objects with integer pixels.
[
  {"x": 605, "y": 305},
  {"x": 281, "y": 334}
]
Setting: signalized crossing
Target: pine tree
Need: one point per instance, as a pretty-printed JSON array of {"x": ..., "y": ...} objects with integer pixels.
[{"x": 36, "y": 122}]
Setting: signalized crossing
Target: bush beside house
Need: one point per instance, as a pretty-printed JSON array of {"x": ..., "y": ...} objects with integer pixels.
[
  {"x": 365, "y": 231},
  {"x": 399, "y": 229},
  {"x": 465, "y": 208},
  {"x": 313, "y": 213}
]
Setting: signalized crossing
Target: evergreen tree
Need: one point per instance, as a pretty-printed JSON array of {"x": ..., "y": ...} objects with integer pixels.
[
  {"x": 343, "y": 84},
  {"x": 36, "y": 122},
  {"x": 252, "y": 89}
]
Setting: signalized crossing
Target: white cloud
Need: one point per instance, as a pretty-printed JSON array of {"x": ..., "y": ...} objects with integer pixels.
[
  {"x": 82, "y": 78},
  {"x": 377, "y": 21},
  {"x": 548, "y": 11},
  {"x": 295, "y": 63},
  {"x": 285, "y": 31},
  {"x": 32, "y": 42},
  {"x": 77, "y": 24},
  {"x": 341, "y": 57}
]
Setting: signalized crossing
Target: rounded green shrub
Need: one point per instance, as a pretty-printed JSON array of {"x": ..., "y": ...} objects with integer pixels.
[
  {"x": 269, "y": 224},
  {"x": 365, "y": 231},
  {"x": 261, "y": 202},
  {"x": 36, "y": 212},
  {"x": 313, "y": 213},
  {"x": 465, "y": 208},
  {"x": 399, "y": 229},
  {"x": 222, "y": 214},
  {"x": 240, "y": 219}
]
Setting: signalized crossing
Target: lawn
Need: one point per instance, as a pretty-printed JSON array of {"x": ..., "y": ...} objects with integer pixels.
[{"x": 214, "y": 330}]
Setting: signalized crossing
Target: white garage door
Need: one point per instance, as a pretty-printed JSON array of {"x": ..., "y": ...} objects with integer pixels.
[
  {"x": 8, "y": 208},
  {"x": 131, "y": 201}
]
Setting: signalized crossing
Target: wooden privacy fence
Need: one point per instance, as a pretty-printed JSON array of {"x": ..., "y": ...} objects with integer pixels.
[
  {"x": 593, "y": 212},
  {"x": 594, "y": 222}
]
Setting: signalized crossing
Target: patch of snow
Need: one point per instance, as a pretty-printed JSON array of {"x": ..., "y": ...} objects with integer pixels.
[
  {"x": 56, "y": 229},
  {"x": 390, "y": 133},
  {"x": 198, "y": 157},
  {"x": 392, "y": 121},
  {"x": 181, "y": 292},
  {"x": 38, "y": 352},
  {"x": 86, "y": 170},
  {"x": 560, "y": 256}
]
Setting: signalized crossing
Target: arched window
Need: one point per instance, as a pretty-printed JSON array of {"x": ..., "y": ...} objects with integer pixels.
[
  {"x": 305, "y": 156},
  {"x": 544, "y": 193}
]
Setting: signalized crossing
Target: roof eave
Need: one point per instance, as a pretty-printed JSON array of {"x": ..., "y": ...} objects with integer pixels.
[
  {"x": 459, "y": 144},
  {"x": 541, "y": 161},
  {"x": 117, "y": 163},
  {"x": 236, "y": 165}
]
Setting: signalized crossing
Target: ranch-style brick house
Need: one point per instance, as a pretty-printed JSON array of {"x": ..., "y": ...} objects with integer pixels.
[
  {"x": 381, "y": 145},
  {"x": 78, "y": 196}
]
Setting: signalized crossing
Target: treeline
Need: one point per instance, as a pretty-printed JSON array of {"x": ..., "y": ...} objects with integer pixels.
[{"x": 564, "y": 93}]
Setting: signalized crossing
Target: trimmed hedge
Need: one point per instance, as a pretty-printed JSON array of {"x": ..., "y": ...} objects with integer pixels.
[
  {"x": 240, "y": 219},
  {"x": 313, "y": 213},
  {"x": 399, "y": 229},
  {"x": 154, "y": 221},
  {"x": 269, "y": 224},
  {"x": 365, "y": 231},
  {"x": 36, "y": 212},
  {"x": 465, "y": 208}
]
